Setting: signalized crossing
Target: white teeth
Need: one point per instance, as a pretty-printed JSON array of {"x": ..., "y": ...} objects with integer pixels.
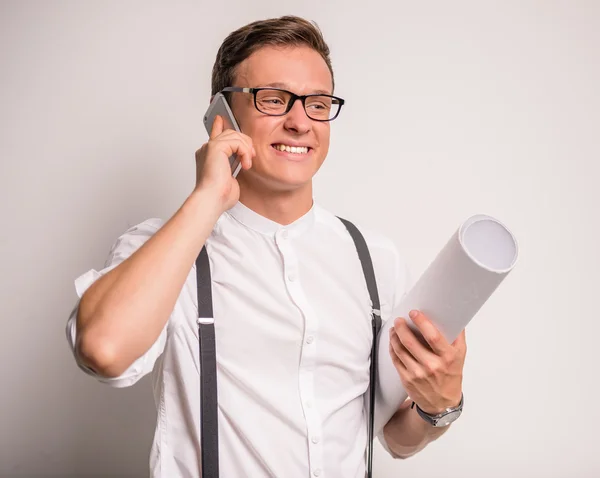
[{"x": 292, "y": 149}]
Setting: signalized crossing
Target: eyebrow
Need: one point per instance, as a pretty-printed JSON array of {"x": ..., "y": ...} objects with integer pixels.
[{"x": 283, "y": 86}]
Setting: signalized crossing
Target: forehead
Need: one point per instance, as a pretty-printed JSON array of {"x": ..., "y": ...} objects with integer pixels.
[{"x": 299, "y": 69}]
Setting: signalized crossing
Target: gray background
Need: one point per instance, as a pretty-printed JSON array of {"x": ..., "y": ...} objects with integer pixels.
[{"x": 453, "y": 108}]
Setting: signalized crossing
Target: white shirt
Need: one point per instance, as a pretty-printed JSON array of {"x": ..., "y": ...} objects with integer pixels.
[{"x": 293, "y": 337}]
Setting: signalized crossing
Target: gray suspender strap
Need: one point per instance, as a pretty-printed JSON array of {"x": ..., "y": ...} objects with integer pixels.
[
  {"x": 367, "y": 265},
  {"x": 209, "y": 432}
]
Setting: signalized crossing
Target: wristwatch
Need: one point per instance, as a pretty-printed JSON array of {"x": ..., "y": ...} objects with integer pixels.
[{"x": 441, "y": 419}]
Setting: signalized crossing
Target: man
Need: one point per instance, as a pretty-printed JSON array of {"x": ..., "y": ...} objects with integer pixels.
[{"x": 292, "y": 312}]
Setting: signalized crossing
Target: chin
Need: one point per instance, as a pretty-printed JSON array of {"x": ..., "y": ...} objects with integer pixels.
[
  {"x": 283, "y": 171},
  {"x": 282, "y": 178}
]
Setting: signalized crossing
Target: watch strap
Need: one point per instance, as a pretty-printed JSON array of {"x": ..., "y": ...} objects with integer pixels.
[{"x": 433, "y": 419}]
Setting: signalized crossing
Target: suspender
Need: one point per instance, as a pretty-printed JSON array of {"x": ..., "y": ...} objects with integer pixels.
[
  {"x": 367, "y": 265},
  {"x": 209, "y": 432}
]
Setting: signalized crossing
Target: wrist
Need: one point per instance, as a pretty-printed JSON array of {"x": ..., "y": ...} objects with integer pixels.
[
  {"x": 440, "y": 408},
  {"x": 440, "y": 418},
  {"x": 204, "y": 202}
]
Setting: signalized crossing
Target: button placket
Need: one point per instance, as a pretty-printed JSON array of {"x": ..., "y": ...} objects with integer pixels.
[
  {"x": 313, "y": 425},
  {"x": 307, "y": 356}
]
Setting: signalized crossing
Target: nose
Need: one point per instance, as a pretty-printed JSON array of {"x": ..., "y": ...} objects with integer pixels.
[{"x": 296, "y": 119}]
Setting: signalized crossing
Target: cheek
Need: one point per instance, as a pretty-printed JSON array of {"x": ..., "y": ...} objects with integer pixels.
[
  {"x": 323, "y": 138},
  {"x": 259, "y": 132}
]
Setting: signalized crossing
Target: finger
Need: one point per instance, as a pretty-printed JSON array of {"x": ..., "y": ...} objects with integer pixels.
[
  {"x": 249, "y": 153},
  {"x": 230, "y": 133},
  {"x": 236, "y": 145},
  {"x": 217, "y": 127},
  {"x": 461, "y": 341},
  {"x": 246, "y": 160},
  {"x": 397, "y": 362},
  {"x": 430, "y": 333},
  {"x": 248, "y": 140},
  {"x": 409, "y": 340},
  {"x": 403, "y": 354}
]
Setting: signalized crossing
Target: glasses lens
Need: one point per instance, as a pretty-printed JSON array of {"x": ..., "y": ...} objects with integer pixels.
[
  {"x": 321, "y": 107},
  {"x": 272, "y": 102},
  {"x": 318, "y": 107}
]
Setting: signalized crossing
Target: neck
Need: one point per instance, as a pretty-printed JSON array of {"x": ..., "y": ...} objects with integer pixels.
[{"x": 282, "y": 207}]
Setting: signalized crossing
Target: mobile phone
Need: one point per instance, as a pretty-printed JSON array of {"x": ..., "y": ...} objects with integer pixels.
[{"x": 220, "y": 107}]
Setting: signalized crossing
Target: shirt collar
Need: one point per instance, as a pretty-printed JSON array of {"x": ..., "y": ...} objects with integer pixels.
[{"x": 256, "y": 222}]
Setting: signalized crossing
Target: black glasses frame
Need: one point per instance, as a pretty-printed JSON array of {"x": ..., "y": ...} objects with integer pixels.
[{"x": 293, "y": 98}]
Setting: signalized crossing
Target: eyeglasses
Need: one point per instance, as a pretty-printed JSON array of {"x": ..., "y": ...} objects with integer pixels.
[{"x": 278, "y": 102}]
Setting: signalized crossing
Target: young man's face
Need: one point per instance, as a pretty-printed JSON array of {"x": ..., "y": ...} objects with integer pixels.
[{"x": 302, "y": 71}]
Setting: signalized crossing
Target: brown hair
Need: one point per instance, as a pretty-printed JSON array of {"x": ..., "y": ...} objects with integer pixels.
[{"x": 284, "y": 31}]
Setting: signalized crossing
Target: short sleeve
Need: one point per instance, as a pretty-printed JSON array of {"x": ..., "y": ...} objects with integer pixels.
[
  {"x": 393, "y": 278},
  {"x": 401, "y": 284},
  {"x": 123, "y": 247},
  {"x": 402, "y": 280}
]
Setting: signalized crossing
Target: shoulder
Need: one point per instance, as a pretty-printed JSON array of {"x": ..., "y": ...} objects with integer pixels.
[
  {"x": 132, "y": 238},
  {"x": 146, "y": 227},
  {"x": 376, "y": 241},
  {"x": 389, "y": 261}
]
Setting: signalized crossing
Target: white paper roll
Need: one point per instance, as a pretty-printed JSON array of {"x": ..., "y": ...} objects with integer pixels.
[{"x": 462, "y": 277}]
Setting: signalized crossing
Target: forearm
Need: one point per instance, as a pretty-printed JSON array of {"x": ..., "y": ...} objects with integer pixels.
[
  {"x": 122, "y": 314},
  {"x": 407, "y": 433}
]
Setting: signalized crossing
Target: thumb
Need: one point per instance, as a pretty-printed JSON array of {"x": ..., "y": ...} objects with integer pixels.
[{"x": 217, "y": 127}]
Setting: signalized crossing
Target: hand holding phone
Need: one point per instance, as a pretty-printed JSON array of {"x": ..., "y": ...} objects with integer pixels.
[
  {"x": 213, "y": 174},
  {"x": 220, "y": 107}
]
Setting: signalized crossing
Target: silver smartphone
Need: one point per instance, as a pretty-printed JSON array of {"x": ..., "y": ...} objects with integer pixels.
[{"x": 220, "y": 107}]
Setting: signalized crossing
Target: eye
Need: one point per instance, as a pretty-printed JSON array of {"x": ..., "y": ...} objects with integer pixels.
[
  {"x": 319, "y": 103},
  {"x": 272, "y": 101},
  {"x": 319, "y": 106}
]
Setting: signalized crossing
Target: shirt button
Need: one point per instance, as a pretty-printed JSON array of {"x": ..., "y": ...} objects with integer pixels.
[
  {"x": 317, "y": 472},
  {"x": 315, "y": 440},
  {"x": 284, "y": 234},
  {"x": 308, "y": 404},
  {"x": 310, "y": 339},
  {"x": 292, "y": 277}
]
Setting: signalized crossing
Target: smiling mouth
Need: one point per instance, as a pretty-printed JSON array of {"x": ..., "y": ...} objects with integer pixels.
[{"x": 292, "y": 149}]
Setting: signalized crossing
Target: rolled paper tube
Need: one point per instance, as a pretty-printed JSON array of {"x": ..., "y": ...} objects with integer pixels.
[{"x": 461, "y": 278}]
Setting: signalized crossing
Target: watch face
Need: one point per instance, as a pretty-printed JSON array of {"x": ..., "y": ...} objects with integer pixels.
[{"x": 447, "y": 419}]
